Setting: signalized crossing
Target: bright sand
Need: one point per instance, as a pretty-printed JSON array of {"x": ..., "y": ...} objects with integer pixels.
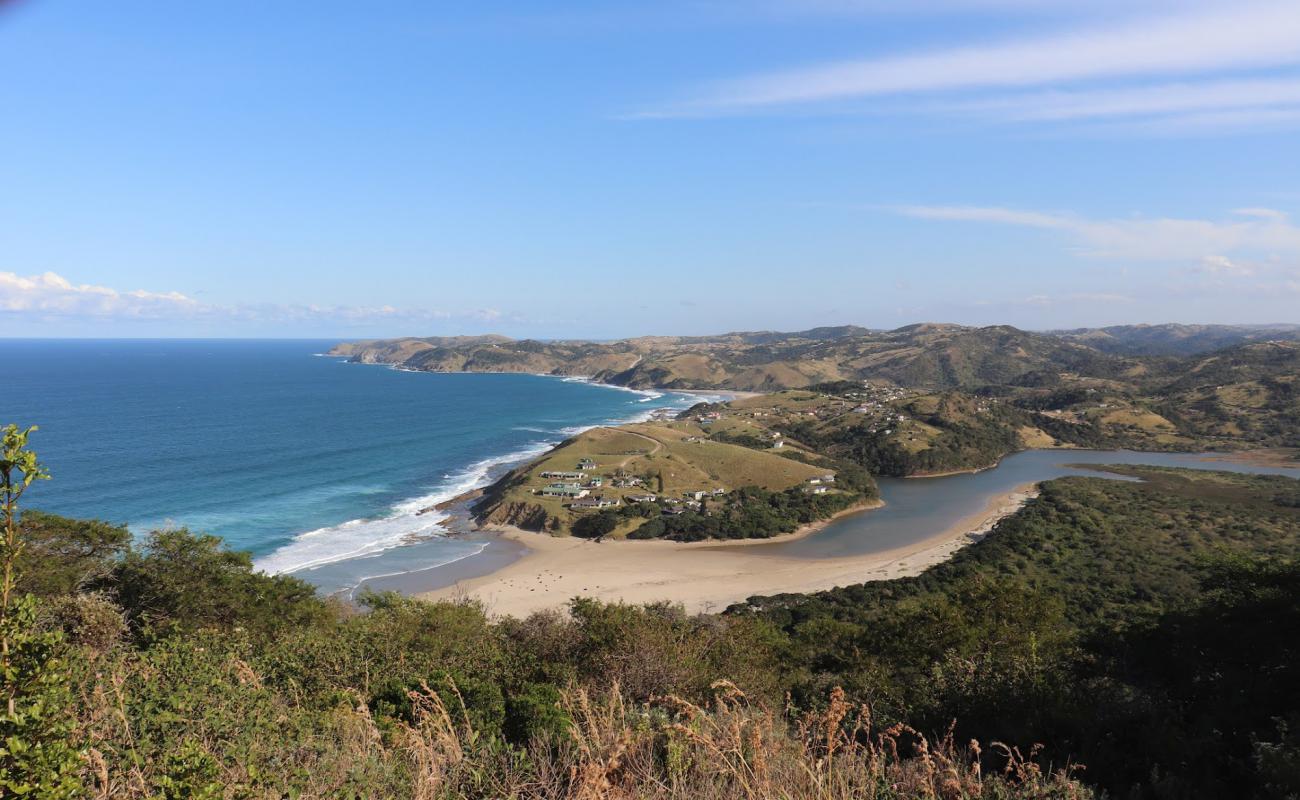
[{"x": 702, "y": 576}]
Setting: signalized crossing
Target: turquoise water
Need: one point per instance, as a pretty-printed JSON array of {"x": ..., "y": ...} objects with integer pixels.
[{"x": 314, "y": 465}]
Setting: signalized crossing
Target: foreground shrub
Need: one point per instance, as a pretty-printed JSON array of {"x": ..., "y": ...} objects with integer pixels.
[{"x": 611, "y": 747}]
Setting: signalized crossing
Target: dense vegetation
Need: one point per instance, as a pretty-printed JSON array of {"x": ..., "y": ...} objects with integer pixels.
[
  {"x": 961, "y": 442},
  {"x": 1148, "y": 630},
  {"x": 747, "y": 513}
]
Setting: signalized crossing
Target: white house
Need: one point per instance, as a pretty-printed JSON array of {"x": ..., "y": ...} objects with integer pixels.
[
  {"x": 594, "y": 502},
  {"x": 560, "y": 490}
]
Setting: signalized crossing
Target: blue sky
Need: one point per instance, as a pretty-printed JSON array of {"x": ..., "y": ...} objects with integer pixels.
[{"x": 604, "y": 169}]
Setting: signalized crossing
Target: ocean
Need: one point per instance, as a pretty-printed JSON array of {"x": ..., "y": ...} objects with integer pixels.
[{"x": 315, "y": 466}]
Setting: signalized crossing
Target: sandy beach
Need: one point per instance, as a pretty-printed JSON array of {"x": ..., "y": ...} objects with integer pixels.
[{"x": 702, "y": 576}]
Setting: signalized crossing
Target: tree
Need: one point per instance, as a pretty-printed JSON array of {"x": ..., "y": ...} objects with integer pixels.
[
  {"x": 62, "y": 555},
  {"x": 191, "y": 581},
  {"x": 594, "y": 526},
  {"x": 37, "y": 759}
]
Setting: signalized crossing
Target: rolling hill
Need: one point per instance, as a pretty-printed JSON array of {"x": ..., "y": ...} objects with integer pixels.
[
  {"x": 929, "y": 355},
  {"x": 1176, "y": 340}
]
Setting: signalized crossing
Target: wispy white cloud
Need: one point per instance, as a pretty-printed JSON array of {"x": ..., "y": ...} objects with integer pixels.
[
  {"x": 1249, "y": 231},
  {"x": 50, "y": 295},
  {"x": 1140, "y": 101},
  {"x": 1203, "y": 123},
  {"x": 1245, "y": 35}
]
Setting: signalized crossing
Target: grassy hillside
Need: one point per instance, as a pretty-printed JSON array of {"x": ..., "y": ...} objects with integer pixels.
[
  {"x": 649, "y": 459},
  {"x": 937, "y": 356},
  {"x": 893, "y": 431},
  {"x": 1247, "y": 393},
  {"x": 1176, "y": 340}
]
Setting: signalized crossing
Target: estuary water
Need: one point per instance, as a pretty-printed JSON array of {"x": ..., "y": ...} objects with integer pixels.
[{"x": 917, "y": 508}]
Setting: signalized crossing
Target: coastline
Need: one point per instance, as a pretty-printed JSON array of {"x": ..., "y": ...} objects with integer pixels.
[
  {"x": 728, "y": 394},
  {"x": 437, "y": 513},
  {"x": 701, "y": 576}
]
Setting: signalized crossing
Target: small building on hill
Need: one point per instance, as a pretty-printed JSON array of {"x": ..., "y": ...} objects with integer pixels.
[
  {"x": 564, "y": 490},
  {"x": 588, "y": 503}
]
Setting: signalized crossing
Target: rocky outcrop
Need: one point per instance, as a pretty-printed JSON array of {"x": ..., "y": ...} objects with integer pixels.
[{"x": 527, "y": 516}]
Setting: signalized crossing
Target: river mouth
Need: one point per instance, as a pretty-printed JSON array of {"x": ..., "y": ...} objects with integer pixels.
[{"x": 915, "y": 511}]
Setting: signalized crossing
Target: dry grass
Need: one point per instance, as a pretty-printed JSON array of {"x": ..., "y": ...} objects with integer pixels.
[
  {"x": 672, "y": 749},
  {"x": 668, "y": 749}
]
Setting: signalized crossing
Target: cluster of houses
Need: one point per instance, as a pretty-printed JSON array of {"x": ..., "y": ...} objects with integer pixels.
[
  {"x": 577, "y": 486},
  {"x": 818, "y": 484},
  {"x": 888, "y": 419},
  {"x": 572, "y": 485}
]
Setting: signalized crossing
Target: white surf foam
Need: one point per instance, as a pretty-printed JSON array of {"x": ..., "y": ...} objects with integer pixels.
[
  {"x": 359, "y": 538},
  {"x": 424, "y": 564}
]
